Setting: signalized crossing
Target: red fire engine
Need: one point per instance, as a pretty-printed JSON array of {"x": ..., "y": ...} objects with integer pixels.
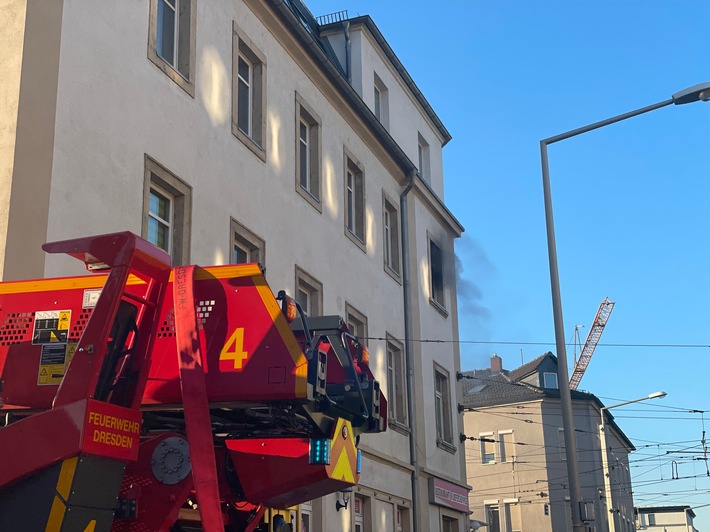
[{"x": 145, "y": 398}]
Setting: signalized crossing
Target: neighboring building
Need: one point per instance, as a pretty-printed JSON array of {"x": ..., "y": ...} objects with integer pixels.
[
  {"x": 665, "y": 518},
  {"x": 231, "y": 131},
  {"x": 515, "y": 452}
]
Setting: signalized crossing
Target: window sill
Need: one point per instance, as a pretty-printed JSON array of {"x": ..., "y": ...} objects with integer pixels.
[
  {"x": 185, "y": 84},
  {"x": 393, "y": 273},
  {"x": 355, "y": 240},
  {"x": 439, "y": 307},
  {"x": 448, "y": 447},
  {"x": 399, "y": 427},
  {"x": 249, "y": 142},
  {"x": 310, "y": 198}
]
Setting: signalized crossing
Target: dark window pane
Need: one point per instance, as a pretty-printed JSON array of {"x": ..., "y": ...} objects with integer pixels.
[
  {"x": 158, "y": 234},
  {"x": 239, "y": 255},
  {"x": 303, "y": 170},
  {"x": 351, "y": 203},
  {"x": 243, "y": 107},
  {"x": 183, "y": 55},
  {"x": 159, "y": 205},
  {"x": 302, "y": 297},
  {"x": 437, "y": 273},
  {"x": 359, "y": 207},
  {"x": 166, "y": 33},
  {"x": 243, "y": 69}
]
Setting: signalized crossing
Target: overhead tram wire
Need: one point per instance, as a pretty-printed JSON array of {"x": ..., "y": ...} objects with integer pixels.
[{"x": 508, "y": 342}]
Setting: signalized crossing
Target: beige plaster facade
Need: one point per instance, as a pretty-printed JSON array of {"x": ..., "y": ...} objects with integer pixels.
[
  {"x": 91, "y": 121},
  {"x": 516, "y": 462},
  {"x": 665, "y": 519}
]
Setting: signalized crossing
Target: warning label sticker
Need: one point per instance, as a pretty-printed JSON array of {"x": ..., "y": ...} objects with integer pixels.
[
  {"x": 91, "y": 297},
  {"x": 51, "y": 327},
  {"x": 53, "y": 363}
]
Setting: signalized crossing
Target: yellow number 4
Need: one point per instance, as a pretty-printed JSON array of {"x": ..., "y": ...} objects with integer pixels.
[{"x": 234, "y": 349}]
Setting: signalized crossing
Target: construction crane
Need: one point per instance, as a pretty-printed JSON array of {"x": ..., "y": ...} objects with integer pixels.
[{"x": 590, "y": 344}]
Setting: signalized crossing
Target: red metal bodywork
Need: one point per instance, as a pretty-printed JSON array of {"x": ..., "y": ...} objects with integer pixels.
[
  {"x": 229, "y": 298},
  {"x": 201, "y": 353}
]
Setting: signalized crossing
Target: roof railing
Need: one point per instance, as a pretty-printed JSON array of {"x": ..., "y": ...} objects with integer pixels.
[{"x": 330, "y": 18}]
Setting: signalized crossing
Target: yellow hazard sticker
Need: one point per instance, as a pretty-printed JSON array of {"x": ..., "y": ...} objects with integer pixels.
[
  {"x": 64, "y": 317},
  {"x": 53, "y": 363},
  {"x": 51, "y": 327}
]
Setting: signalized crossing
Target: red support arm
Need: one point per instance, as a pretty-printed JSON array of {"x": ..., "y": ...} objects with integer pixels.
[{"x": 194, "y": 397}]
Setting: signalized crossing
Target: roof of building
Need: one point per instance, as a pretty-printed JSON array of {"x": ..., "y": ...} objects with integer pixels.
[
  {"x": 665, "y": 509},
  {"x": 314, "y": 27},
  {"x": 485, "y": 387},
  {"x": 306, "y": 28},
  {"x": 529, "y": 367}
]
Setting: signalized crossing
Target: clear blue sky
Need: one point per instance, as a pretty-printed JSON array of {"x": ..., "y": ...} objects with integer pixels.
[{"x": 631, "y": 200}]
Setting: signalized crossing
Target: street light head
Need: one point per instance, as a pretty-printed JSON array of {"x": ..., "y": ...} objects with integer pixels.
[
  {"x": 657, "y": 395},
  {"x": 700, "y": 92}
]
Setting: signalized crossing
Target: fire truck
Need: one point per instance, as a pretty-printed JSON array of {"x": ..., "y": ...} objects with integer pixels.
[{"x": 142, "y": 397}]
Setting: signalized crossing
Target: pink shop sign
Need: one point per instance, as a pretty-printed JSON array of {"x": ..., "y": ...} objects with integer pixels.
[{"x": 447, "y": 494}]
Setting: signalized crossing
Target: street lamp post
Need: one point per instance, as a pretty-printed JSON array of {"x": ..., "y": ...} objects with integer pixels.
[
  {"x": 695, "y": 93},
  {"x": 605, "y": 454}
]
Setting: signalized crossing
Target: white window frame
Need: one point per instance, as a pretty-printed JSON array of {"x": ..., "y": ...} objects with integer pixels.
[
  {"x": 254, "y": 138},
  {"x": 506, "y": 446},
  {"x": 253, "y": 246},
  {"x": 306, "y": 116},
  {"x": 166, "y": 223},
  {"x": 357, "y": 322},
  {"x": 549, "y": 375},
  {"x": 487, "y": 446},
  {"x": 511, "y": 508},
  {"x": 355, "y": 205},
  {"x": 181, "y": 66},
  {"x": 249, "y": 93},
  {"x": 160, "y": 179},
  {"x": 442, "y": 405},
  {"x": 488, "y": 506},
  {"x": 391, "y": 237},
  {"x": 423, "y": 153},
  {"x": 437, "y": 284},
  {"x": 397, "y": 384},
  {"x": 380, "y": 101},
  {"x": 313, "y": 290}
]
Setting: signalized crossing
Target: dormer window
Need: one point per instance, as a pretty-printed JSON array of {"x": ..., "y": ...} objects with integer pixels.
[{"x": 549, "y": 380}]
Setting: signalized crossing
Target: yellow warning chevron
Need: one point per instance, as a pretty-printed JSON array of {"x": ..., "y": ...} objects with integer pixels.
[
  {"x": 343, "y": 453},
  {"x": 343, "y": 470}
]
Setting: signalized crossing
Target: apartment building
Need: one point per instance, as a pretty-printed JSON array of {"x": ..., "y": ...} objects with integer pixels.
[
  {"x": 515, "y": 453},
  {"x": 677, "y": 518},
  {"x": 249, "y": 131}
]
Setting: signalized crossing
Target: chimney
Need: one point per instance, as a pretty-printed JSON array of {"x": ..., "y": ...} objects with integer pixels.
[{"x": 496, "y": 363}]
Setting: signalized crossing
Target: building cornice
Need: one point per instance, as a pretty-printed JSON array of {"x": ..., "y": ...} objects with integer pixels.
[
  {"x": 367, "y": 21},
  {"x": 284, "y": 9}
]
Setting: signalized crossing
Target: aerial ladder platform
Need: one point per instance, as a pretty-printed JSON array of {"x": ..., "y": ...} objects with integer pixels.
[{"x": 144, "y": 397}]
